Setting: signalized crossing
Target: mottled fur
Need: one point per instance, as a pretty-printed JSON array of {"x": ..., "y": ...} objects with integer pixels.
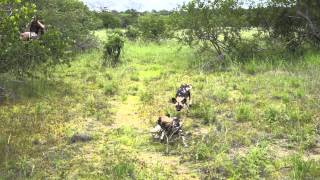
[
  {"x": 183, "y": 97},
  {"x": 168, "y": 127}
]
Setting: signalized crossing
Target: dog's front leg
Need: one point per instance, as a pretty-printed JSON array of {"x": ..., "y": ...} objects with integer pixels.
[
  {"x": 190, "y": 100},
  {"x": 184, "y": 141},
  {"x": 162, "y": 135}
]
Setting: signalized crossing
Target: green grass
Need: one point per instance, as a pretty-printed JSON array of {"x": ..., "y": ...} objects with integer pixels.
[{"x": 247, "y": 122}]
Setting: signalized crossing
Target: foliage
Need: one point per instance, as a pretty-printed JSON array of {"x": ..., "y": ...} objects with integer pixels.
[
  {"x": 132, "y": 33},
  {"x": 80, "y": 21},
  {"x": 203, "y": 111},
  {"x": 303, "y": 169},
  {"x": 110, "y": 88},
  {"x": 38, "y": 117},
  {"x": 114, "y": 19},
  {"x": 55, "y": 46},
  {"x": 109, "y": 20},
  {"x": 113, "y": 48},
  {"x": 12, "y": 16},
  {"x": 254, "y": 165},
  {"x": 213, "y": 25},
  {"x": 152, "y": 27},
  {"x": 129, "y": 18},
  {"x": 294, "y": 22},
  {"x": 243, "y": 113}
]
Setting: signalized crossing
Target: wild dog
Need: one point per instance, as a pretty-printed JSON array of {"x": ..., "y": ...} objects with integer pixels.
[
  {"x": 34, "y": 30},
  {"x": 168, "y": 127},
  {"x": 183, "y": 97}
]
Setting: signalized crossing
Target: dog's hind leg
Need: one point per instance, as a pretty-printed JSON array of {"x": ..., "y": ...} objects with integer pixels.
[
  {"x": 190, "y": 100},
  {"x": 184, "y": 141},
  {"x": 167, "y": 150}
]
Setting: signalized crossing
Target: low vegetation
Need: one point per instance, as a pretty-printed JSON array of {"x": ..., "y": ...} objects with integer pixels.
[
  {"x": 87, "y": 114},
  {"x": 240, "y": 125}
]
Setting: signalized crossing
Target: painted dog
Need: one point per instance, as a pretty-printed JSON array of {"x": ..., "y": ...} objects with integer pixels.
[{"x": 183, "y": 97}]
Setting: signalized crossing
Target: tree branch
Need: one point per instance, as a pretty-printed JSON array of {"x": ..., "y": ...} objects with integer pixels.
[{"x": 314, "y": 29}]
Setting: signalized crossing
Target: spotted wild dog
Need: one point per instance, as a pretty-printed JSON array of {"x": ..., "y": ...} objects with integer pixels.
[
  {"x": 168, "y": 127},
  {"x": 183, "y": 97}
]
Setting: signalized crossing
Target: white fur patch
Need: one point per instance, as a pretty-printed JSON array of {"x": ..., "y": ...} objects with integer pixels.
[{"x": 156, "y": 129}]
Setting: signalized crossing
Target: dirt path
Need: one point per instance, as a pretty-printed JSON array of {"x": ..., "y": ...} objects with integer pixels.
[
  {"x": 88, "y": 159},
  {"x": 128, "y": 116}
]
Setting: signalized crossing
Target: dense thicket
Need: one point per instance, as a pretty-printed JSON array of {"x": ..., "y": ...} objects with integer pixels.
[
  {"x": 213, "y": 25},
  {"x": 153, "y": 27},
  {"x": 68, "y": 25},
  {"x": 282, "y": 27},
  {"x": 217, "y": 28},
  {"x": 294, "y": 21},
  {"x": 115, "y": 19}
]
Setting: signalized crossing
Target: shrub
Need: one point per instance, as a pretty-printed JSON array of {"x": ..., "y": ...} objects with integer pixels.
[
  {"x": 146, "y": 97},
  {"x": 110, "y": 88},
  {"x": 254, "y": 165},
  {"x": 75, "y": 21},
  {"x": 251, "y": 67},
  {"x": 55, "y": 44},
  {"x": 221, "y": 95},
  {"x": 202, "y": 152},
  {"x": 152, "y": 27},
  {"x": 272, "y": 115},
  {"x": 113, "y": 48},
  {"x": 302, "y": 169},
  {"x": 132, "y": 90},
  {"x": 132, "y": 33},
  {"x": 243, "y": 113},
  {"x": 134, "y": 77},
  {"x": 204, "y": 111}
]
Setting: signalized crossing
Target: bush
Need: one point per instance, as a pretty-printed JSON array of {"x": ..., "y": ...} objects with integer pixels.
[
  {"x": 152, "y": 27},
  {"x": 113, "y": 48},
  {"x": 254, "y": 165},
  {"x": 302, "y": 169},
  {"x": 109, "y": 20},
  {"x": 273, "y": 115},
  {"x": 60, "y": 37},
  {"x": 135, "y": 77},
  {"x": 146, "y": 97},
  {"x": 243, "y": 113},
  {"x": 204, "y": 111},
  {"x": 132, "y": 33},
  {"x": 202, "y": 151},
  {"x": 110, "y": 88},
  {"x": 74, "y": 21}
]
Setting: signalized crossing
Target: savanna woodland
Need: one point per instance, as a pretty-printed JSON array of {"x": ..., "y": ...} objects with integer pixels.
[{"x": 79, "y": 97}]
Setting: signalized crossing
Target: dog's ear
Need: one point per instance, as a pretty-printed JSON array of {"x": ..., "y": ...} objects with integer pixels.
[
  {"x": 168, "y": 115},
  {"x": 174, "y": 100},
  {"x": 159, "y": 121},
  {"x": 189, "y": 87}
]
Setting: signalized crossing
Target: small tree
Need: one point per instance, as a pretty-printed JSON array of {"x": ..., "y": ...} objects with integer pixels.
[
  {"x": 110, "y": 20},
  {"x": 132, "y": 33},
  {"x": 113, "y": 49},
  {"x": 152, "y": 27},
  {"x": 213, "y": 25}
]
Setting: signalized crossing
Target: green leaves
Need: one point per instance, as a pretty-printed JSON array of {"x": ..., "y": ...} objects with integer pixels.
[
  {"x": 213, "y": 25},
  {"x": 113, "y": 48},
  {"x": 152, "y": 27},
  {"x": 68, "y": 25}
]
